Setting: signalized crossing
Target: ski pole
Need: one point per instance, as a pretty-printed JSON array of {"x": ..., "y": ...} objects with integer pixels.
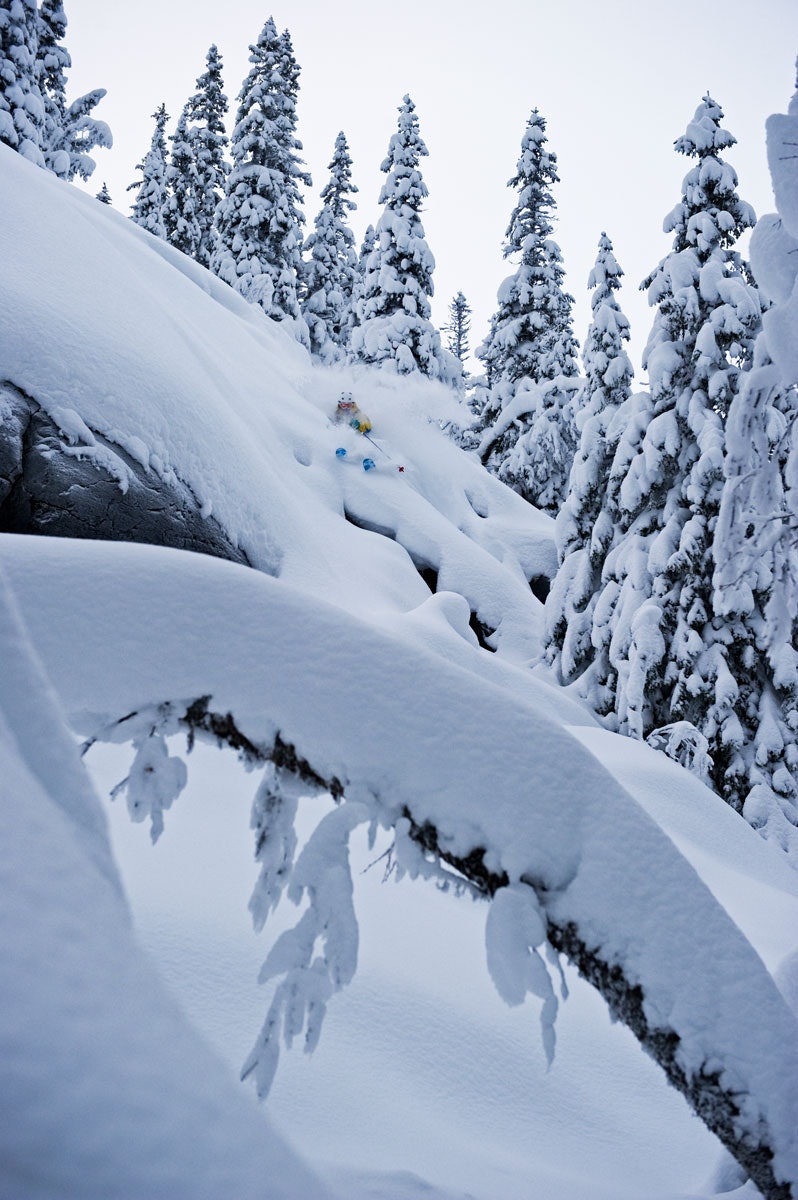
[{"x": 370, "y": 439}]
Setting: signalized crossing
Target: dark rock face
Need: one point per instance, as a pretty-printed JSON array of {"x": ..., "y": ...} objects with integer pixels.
[{"x": 45, "y": 489}]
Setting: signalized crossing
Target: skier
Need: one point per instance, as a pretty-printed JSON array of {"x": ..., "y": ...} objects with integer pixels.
[{"x": 349, "y": 413}]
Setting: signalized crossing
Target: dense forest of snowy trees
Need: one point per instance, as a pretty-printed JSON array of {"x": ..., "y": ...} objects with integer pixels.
[{"x": 673, "y": 609}]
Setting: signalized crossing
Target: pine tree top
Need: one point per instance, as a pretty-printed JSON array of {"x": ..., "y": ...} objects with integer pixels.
[
  {"x": 264, "y": 133},
  {"x": 339, "y": 187},
  {"x": 608, "y": 370},
  {"x": 536, "y": 171},
  {"x": 404, "y": 185},
  {"x": 710, "y": 215},
  {"x": 267, "y": 36},
  {"x": 709, "y": 311},
  {"x": 704, "y": 134},
  {"x": 605, "y": 273},
  {"x": 209, "y": 104},
  {"x": 153, "y": 165}
]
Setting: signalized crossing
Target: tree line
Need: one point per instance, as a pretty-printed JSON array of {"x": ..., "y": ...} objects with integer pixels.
[{"x": 243, "y": 219}]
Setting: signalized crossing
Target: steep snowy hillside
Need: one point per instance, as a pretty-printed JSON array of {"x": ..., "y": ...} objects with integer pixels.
[
  {"x": 113, "y": 334},
  {"x": 377, "y": 650}
]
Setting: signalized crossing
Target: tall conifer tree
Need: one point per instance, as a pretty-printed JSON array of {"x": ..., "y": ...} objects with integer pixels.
[
  {"x": 755, "y": 545},
  {"x": 197, "y": 170},
  {"x": 208, "y": 142},
  {"x": 527, "y": 420},
  {"x": 151, "y": 195},
  {"x": 359, "y": 283},
  {"x": 534, "y": 334},
  {"x": 330, "y": 274},
  {"x": 394, "y": 326},
  {"x": 54, "y": 61},
  {"x": 259, "y": 222},
  {"x": 180, "y": 204},
  {"x": 662, "y": 660},
  {"x": 458, "y": 328},
  {"x": 755, "y": 551},
  {"x": 70, "y": 131}
]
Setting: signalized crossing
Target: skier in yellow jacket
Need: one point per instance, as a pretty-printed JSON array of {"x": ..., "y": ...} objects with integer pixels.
[{"x": 348, "y": 413}]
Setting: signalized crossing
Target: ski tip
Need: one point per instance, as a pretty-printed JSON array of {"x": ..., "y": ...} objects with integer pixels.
[
  {"x": 340, "y": 452},
  {"x": 369, "y": 464}
]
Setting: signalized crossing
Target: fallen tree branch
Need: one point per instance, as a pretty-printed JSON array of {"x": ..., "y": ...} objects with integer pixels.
[
  {"x": 717, "y": 1107},
  {"x": 704, "y": 1090}
]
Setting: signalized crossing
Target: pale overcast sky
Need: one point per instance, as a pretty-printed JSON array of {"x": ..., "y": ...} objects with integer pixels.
[{"x": 617, "y": 82}]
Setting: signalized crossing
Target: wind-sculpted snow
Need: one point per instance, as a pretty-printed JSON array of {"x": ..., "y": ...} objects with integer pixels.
[{"x": 394, "y": 724}]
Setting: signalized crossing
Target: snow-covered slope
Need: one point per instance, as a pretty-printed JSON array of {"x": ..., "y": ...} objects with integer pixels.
[
  {"x": 112, "y": 331},
  {"x": 337, "y": 644}
]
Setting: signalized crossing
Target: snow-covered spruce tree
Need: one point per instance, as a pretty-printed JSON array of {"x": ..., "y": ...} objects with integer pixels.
[
  {"x": 662, "y": 656},
  {"x": 458, "y": 328},
  {"x": 587, "y": 521},
  {"x": 393, "y": 317},
  {"x": 22, "y": 111},
  {"x": 150, "y": 203},
  {"x": 259, "y": 221},
  {"x": 756, "y": 537},
  {"x": 181, "y": 190},
  {"x": 208, "y": 142},
  {"x": 104, "y": 196},
  {"x": 70, "y": 131},
  {"x": 330, "y": 274},
  {"x": 527, "y": 423}
]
